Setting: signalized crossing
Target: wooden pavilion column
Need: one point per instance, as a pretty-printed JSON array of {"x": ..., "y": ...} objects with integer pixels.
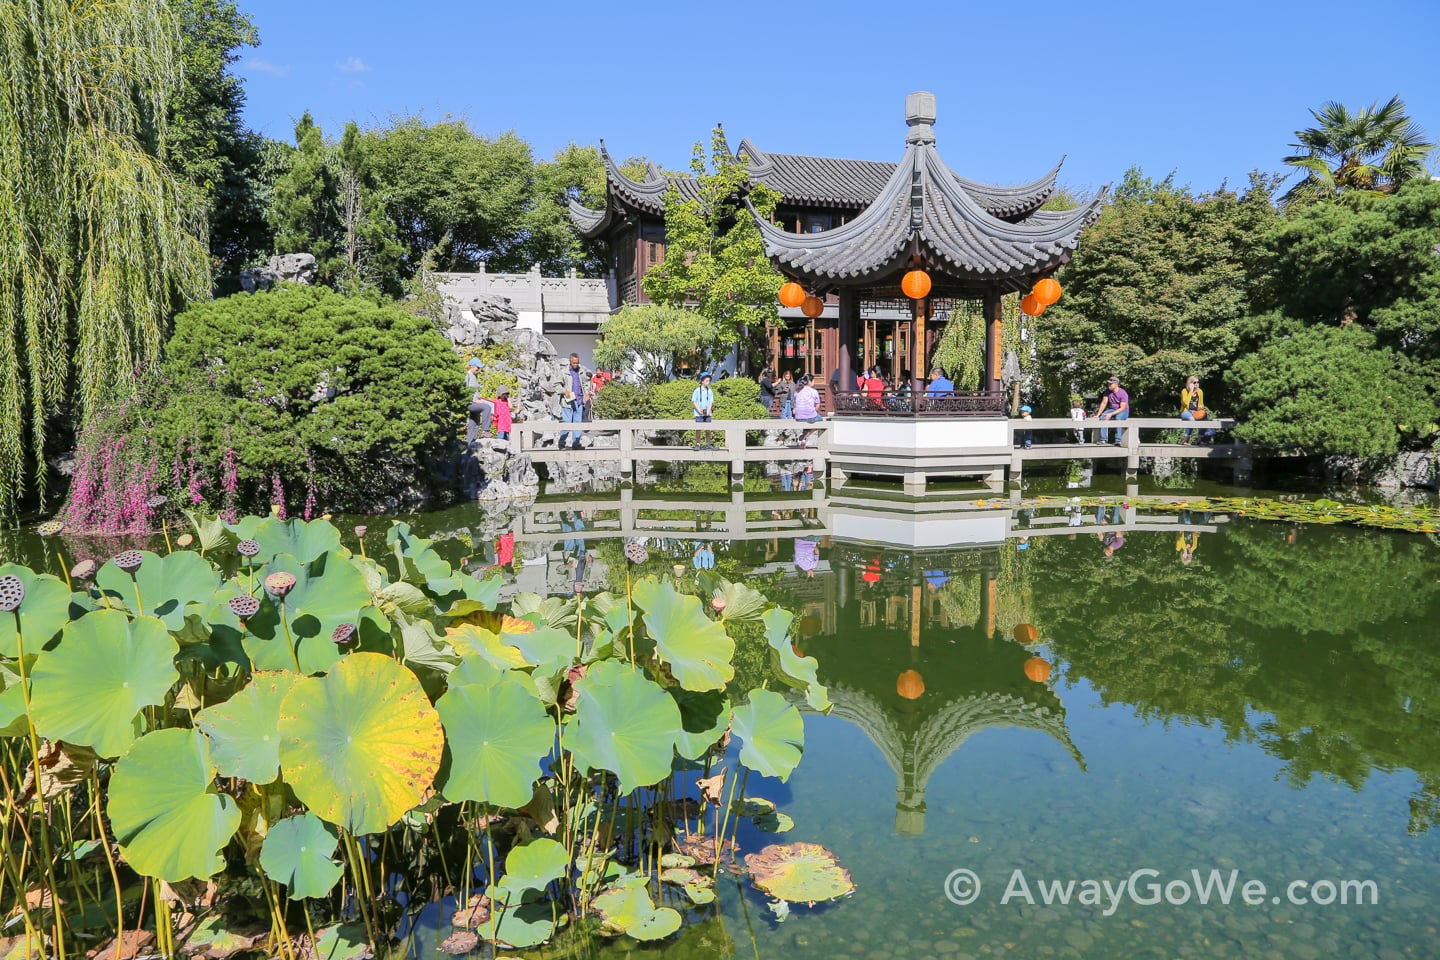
[
  {"x": 917, "y": 347},
  {"x": 849, "y": 321},
  {"x": 994, "y": 351}
]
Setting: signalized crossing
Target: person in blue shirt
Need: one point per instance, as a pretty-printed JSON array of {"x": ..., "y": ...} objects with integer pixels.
[
  {"x": 940, "y": 385},
  {"x": 702, "y": 398}
]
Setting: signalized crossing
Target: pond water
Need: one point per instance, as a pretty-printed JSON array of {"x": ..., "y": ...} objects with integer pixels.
[{"x": 1208, "y": 702}]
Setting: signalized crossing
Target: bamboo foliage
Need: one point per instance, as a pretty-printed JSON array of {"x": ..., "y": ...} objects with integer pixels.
[{"x": 99, "y": 240}]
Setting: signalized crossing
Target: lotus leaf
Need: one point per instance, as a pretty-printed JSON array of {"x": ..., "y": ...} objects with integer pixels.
[
  {"x": 211, "y": 533},
  {"x": 628, "y": 909},
  {"x": 165, "y": 585},
  {"x": 305, "y": 540},
  {"x": 343, "y": 941},
  {"x": 45, "y": 610},
  {"x": 799, "y": 873},
  {"x": 422, "y": 646},
  {"x": 168, "y": 818},
  {"x": 299, "y": 852},
  {"x": 12, "y": 701},
  {"x": 533, "y": 866},
  {"x": 742, "y": 603},
  {"x": 525, "y": 925},
  {"x": 676, "y": 860},
  {"x": 549, "y": 611},
  {"x": 703, "y": 719},
  {"x": 772, "y": 734},
  {"x": 469, "y": 640},
  {"x": 328, "y": 591},
  {"x": 480, "y": 596},
  {"x": 361, "y": 745},
  {"x": 624, "y": 723},
  {"x": 752, "y": 806},
  {"x": 91, "y": 687},
  {"x": 547, "y": 649},
  {"x": 497, "y": 735},
  {"x": 243, "y": 730},
  {"x": 697, "y": 648},
  {"x": 774, "y": 822},
  {"x": 797, "y": 671},
  {"x": 420, "y": 564},
  {"x": 698, "y": 887}
]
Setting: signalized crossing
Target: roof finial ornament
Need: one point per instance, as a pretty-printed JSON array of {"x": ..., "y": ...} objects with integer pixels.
[{"x": 919, "y": 115}]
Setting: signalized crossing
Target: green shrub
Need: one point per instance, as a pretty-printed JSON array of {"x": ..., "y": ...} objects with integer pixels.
[
  {"x": 500, "y": 360},
  {"x": 736, "y": 398},
  {"x": 618, "y": 400},
  {"x": 671, "y": 401},
  {"x": 297, "y": 396}
]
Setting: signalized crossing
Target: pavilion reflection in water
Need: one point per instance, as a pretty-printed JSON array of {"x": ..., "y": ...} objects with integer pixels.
[{"x": 919, "y": 670}]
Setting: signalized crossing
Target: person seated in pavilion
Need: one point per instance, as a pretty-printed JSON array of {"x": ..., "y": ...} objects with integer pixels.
[{"x": 940, "y": 385}]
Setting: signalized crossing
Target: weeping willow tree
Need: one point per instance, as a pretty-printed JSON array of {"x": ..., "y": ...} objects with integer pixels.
[{"x": 99, "y": 241}]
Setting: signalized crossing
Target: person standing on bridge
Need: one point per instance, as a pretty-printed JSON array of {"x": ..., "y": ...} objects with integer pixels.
[
  {"x": 480, "y": 409},
  {"x": 702, "y": 399},
  {"x": 572, "y": 399},
  {"x": 1114, "y": 405}
]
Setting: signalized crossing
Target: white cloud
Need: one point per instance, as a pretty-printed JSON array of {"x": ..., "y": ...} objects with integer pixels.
[
  {"x": 353, "y": 65},
  {"x": 265, "y": 66}
]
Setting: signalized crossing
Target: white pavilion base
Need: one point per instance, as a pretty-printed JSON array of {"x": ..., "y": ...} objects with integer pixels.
[{"x": 916, "y": 451}]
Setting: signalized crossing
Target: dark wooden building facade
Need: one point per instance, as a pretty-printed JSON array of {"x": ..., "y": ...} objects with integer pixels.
[{"x": 847, "y": 230}]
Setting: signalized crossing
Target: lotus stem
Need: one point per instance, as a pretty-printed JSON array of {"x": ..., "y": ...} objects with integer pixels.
[
  {"x": 490, "y": 881},
  {"x": 109, "y": 857},
  {"x": 64, "y": 569},
  {"x": 285, "y": 626},
  {"x": 164, "y": 932},
  {"x": 310, "y": 928},
  {"x": 165, "y": 529},
  {"x": 630, "y": 612},
  {"x": 352, "y": 854},
  {"x": 272, "y": 894},
  {"x": 725, "y": 823}
]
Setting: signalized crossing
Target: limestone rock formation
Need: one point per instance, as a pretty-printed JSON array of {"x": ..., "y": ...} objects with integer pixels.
[{"x": 282, "y": 268}]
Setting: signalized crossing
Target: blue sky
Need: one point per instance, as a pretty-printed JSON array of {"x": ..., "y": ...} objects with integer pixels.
[{"x": 1210, "y": 90}]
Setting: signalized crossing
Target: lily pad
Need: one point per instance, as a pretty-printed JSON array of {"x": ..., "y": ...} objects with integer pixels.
[
  {"x": 697, "y": 648},
  {"x": 361, "y": 745},
  {"x": 329, "y": 591},
  {"x": 497, "y": 735},
  {"x": 244, "y": 730},
  {"x": 343, "y": 941},
  {"x": 163, "y": 586},
  {"x": 167, "y": 816},
  {"x": 533, "y": 866},
  {"x": 772, "y": 734},
  {"x": 624, "y": 723},
  {"x": 520, "y": 926},
  {"x": 44, "y": 611},
  {"x": 628, "y": 909},
  {"x": 774, "y": 822},
  {"x": 305, "y": 540},
  {"x": 799, "y": 873},
  {"x": 299, "y": 852},
  {"x": 752, "y": 806},
  {"x": 91, "y": 688}
]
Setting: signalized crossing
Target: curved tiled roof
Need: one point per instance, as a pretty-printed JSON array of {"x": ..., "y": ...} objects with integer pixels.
[{"x": 924, "y": 209}]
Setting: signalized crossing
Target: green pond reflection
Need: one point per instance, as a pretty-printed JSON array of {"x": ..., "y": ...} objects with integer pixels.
[{"x": 1070, "y": 693}]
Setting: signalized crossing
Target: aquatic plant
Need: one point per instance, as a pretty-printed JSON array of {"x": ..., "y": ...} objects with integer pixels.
[{"x": 333, "y": 738}]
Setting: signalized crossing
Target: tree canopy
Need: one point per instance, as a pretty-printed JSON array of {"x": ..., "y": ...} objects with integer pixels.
[
  {"x": 1375, "y": 149},
  {"x": 99, "y": 238},
  {"x": 655, "y": 340}
]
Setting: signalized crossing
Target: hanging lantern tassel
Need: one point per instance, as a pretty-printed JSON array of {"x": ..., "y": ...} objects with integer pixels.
[
  {"x": 915, "y": 284},
  {"x": 1031, "y": 306},
  {"x": 792, "y": 294},
  {"x": 1047, "y": 291}
]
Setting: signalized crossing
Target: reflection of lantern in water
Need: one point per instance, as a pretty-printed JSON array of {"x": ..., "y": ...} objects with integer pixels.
[
  {"x": 809, "y": 625},
  {"x": 1037, "y": 669},
  {"x": 910, "y": 685},
  {"x": 872, "y": 571},
  {"x": 1026, "y": 633}
]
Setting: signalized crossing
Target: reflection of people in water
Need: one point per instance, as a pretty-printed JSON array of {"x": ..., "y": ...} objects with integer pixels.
[
  {"x": 807, "y": 555},
  {"x": 704, "y": 558},
  {"x": 571, "y": 522},
  {"x": 1113, "y": 540},
  {"x": 1117, "y": 515},
  {"x": 1185, "y": 542},
  {"x": 505, "y": 548},
  {"x": 935, "y": 579}
]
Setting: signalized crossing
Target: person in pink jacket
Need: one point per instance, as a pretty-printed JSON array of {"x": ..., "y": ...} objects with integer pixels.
[{"x": 502, "y": 415}]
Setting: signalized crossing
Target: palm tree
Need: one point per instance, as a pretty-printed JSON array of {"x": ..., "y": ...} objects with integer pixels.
[
  {"x": 98, "y": 238},
  {"x": 1372, "y": 151}
]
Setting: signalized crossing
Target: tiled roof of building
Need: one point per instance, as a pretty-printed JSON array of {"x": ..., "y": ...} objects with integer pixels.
[
  {"x": 806, "y": 181},
  {"x": 924, "y": 210}
]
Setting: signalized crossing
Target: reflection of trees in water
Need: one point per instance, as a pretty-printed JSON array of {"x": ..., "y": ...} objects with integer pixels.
[{"x": 1329, "y": 635}]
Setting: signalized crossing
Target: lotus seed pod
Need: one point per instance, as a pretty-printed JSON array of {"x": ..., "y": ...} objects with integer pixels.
[
  {"x": 130, "y": 561},
  {"x": 279, "y": 584},
  {"x": 83, "y": 570},
  {"x": 635, "y": 552},
  {"x": 244, "y": 606},
  {"x": 184, "y": 540},
  {"x": 718, "y": 603},
  {"x": 360, "y": 530},
  {"x": 155, "y": 503},
  {"x": 49, "y": 528},
  {"x": 344, "y": 635},
  {"x": 12, "y": 591},
  {"x": 247, "y": 548}
]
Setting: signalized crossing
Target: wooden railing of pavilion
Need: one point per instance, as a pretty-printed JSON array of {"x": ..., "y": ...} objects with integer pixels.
[{"x": 908, "y": 403}]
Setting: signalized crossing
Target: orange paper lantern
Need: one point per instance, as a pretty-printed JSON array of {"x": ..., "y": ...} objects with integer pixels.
[
  {"x": 1026, "y": 633},
  {"x": 1037, "y": 669},
  {"x": 910, "y": 685},
  {"x": 792, "y": 294},
  {"x": 1047, "y": 290},
  {"x": 1031, "y": 306},
  {"x": 812, "y": 307},
  {"x": 916, "y": 284}
]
